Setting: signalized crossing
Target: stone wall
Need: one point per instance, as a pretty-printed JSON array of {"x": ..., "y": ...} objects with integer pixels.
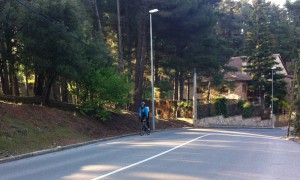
[{"x": 233, "y": 121}]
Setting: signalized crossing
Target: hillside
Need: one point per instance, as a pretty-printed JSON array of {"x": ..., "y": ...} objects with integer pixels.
[{"x": 27, "y": 128}]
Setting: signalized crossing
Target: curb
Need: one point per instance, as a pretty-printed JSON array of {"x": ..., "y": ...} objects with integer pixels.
[
  {"x": 60, "y": 148},
  {"x": 238, "y": 127}
]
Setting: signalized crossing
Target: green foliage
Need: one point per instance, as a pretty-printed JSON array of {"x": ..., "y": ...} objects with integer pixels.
[
  {"x": 165, "y": 89},
  {"x": 62, "y": 40},
  {"x": 247, "y": 110},
  {"x": 52, "y": 42},
  {"x": 55, "y": 43},
  {"x": 185, "y": 104},
  {"x": 221, "y": 107},
  {"x": 296, "y": 124},
  {"x": 240, "y": 104},
  {"x": 259, "y": 49},
  {"x": 195, "y": 43},
  {"x": 103, "y": 90},
  {"x": 230, "y": 23}
]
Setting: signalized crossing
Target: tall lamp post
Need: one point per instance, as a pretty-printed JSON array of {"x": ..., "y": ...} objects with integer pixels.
[
  {"x": 272, "y": 106},
  {"x": 152, "y": 76}
]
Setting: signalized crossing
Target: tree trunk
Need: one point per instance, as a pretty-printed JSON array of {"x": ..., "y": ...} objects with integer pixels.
[
  {"x": 181, "y": 85},
  {"x": 50, "y": 77},
  {"x": 39, "y": 84},
  {"x": 11, "y": 84},
  {"x": 129, "y": 42},
  {"x": 188, "y": 89},
  {"x": 14, "y": 79},
  {"x": 176, "y": 81},
  {"x": 208, "y": 92},
  {"x": 120, "y": 46},
  {"x": 98, "y": 19},
  {"x": 142, "y": 70},
  {"x": 4, "y": 78},
  {"x": 64, "y": 90},
  {"x": 129, "y": 49},
  {"x": 140, "y": 60},
  {"x": 27, "y": 85},
  {"x": 4, "y": 69},
  {"x": 54, "y": 91},
  {"x": 156, "y": 63},
  {"x": 292, "y": 101},
  {"x": 16, "y": 85}
]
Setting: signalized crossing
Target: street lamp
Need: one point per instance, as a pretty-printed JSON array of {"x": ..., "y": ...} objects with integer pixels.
[
  {"x": 272, "y": 106},
  {"x": 152, "y": 77}
]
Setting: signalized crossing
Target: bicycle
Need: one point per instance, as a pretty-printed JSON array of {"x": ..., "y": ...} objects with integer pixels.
[{"x": 145, "y": 129}]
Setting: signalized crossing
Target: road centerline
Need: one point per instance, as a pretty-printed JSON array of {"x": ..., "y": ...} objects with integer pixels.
[{"x": 150, "y": 158}]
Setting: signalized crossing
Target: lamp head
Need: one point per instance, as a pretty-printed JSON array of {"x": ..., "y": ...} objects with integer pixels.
[{"x": 153, "y": 11}]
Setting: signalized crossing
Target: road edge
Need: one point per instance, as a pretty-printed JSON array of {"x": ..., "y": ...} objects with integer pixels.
[{"x": 61, "y": 148}]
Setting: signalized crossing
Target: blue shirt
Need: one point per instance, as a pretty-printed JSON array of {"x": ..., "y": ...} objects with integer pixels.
[{"x": 144, "y": 111}]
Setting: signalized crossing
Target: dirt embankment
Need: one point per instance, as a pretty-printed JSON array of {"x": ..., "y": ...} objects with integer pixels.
[{"x": 27, "y": 128}]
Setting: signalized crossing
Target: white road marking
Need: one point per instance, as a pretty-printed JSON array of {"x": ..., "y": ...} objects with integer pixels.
[
  {"x": 148, "y": 159},
  {"x": 238, "y": 134}
]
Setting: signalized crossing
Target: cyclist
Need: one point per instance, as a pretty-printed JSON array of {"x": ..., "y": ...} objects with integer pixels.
[{"x": 144, "y": 113}]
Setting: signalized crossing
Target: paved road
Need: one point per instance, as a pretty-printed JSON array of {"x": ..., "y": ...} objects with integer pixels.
[{"x": 179, "y": 154}]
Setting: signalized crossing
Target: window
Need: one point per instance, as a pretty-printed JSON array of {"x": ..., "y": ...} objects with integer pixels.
[{"x": 224, "y": 89}]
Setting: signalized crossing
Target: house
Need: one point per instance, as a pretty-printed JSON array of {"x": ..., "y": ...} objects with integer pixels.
[{"x": 241, "y": 80}]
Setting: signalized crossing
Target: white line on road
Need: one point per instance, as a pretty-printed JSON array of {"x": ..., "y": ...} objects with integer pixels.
[
  {"x": 148, "y": 159},
  {"x": 160, "y": 154}
]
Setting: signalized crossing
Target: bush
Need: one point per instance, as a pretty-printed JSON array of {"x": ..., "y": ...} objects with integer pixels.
[
  {"x": 247, "y": 110},
  {"x": 221, "y": 107},
  {"x": 103, "y": 91},
  {"x": 184, "y": 108},
  {"x": 240, "y": 104},
  {"x": 296, "y": 123}
]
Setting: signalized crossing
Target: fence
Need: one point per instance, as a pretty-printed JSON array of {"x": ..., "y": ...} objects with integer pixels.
[{"x": 175, "y": 109}]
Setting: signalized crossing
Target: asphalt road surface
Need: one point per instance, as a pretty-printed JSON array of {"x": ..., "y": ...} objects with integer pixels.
[{"x": 179, "y": 154}]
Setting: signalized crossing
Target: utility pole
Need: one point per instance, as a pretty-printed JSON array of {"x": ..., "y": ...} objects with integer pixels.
[{"x": 195, "y": 99}]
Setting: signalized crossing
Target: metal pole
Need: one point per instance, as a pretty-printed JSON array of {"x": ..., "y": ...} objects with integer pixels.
[
  {"x": 195, "y": 99},
  {"x": 272, "y": 119},
  {"x": 152, "y": 77}
]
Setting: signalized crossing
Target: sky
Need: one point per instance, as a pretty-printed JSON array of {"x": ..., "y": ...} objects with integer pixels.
[{"x": 280, "y": 2}]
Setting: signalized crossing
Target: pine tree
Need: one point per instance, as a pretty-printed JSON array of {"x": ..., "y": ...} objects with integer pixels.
[
  {"x": 259, "y": 51},
  {"x": 230, "y": 24}
]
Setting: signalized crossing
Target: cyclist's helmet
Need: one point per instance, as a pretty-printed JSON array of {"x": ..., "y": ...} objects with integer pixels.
[{"x": 142, "y": 103}]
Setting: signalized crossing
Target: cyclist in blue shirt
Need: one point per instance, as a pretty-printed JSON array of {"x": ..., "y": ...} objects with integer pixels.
[{"x": 144, "y": 113}]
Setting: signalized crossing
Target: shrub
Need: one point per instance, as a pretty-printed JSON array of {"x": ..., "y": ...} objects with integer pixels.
[
  {"x": 221, "y": 107},
  {"x": 296, "y": 123},
  {"x": 103, "y": 90},
  {"x": 240, "y": 104},
  {"x": 247, "y": 110},
  {"x": 184, "y": 107}
]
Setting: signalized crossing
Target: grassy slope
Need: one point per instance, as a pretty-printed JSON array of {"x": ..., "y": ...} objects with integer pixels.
[{"x": 27, "y": 128}]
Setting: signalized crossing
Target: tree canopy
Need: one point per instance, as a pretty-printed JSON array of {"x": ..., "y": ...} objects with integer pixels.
[{"x": 97, "y": 55}]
